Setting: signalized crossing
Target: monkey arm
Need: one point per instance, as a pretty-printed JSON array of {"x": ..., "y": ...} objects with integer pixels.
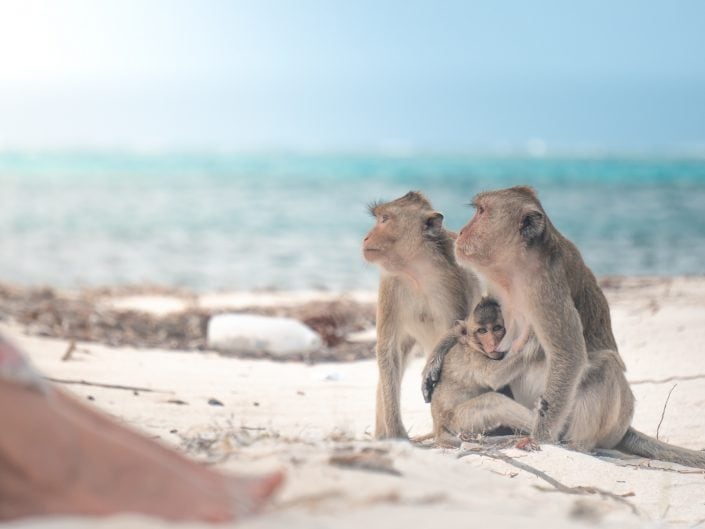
[
  {"x": 496, "y": 374},
  {"x": 432, "y": 371},
  {"x": 557, "y": 325}
]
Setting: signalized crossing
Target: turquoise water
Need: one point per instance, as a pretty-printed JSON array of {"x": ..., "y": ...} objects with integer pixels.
[{"x": 295, "y": 221}]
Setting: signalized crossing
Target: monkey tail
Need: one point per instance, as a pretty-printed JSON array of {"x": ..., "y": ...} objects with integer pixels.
[{"x": 640, "y": 444}]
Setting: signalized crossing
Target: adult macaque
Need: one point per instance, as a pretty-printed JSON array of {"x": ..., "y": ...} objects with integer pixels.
[
  {"x": 544, "y": 287},
  {"x": 422, "y": 291}
]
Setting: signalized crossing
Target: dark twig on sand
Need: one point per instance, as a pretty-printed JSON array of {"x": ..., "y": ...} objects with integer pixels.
[
  {"x": 102, "y": 385},
  {"x": 558, "y": 486},
  {"x": 663, "y": 412},
  {"x": 69, "y": 351},
  {"x": 668, "y": 379}
]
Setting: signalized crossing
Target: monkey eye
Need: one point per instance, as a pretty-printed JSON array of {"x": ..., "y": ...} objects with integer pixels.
[
  {"x": 464, "y": 332},
  {"x": 383, "y": 218},
  {"x": 481, "y": 330},
  {"x": 498, "y": 328}
]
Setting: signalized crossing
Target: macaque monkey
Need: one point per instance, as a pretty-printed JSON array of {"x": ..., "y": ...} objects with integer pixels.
[
  {"x": 422, "y": 291},
  {"x": 465, "y": 400},
  {"x": 581, "y": 396}
]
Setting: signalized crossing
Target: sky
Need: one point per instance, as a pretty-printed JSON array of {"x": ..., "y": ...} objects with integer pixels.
[{"x": 495, "y": 76}]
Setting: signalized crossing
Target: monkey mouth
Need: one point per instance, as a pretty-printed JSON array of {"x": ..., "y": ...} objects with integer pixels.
[
  {"x": 371, "y": 254},
  {"x": 496, "y": 355}
]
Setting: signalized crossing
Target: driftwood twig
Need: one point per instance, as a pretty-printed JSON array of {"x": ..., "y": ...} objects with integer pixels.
[
  {"x": 663, "y": 412},
  {"x": 558, "y": 486},
  {"x": 103, "y": 385},
  {"x": 69, "y": 351}
]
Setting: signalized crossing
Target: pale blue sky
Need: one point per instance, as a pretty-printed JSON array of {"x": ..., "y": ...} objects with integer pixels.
[{"x": 356, "y": 75}]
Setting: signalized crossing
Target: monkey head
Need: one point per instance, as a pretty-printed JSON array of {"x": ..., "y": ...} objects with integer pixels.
[
  {"x": 506, "y": 223},
  {"x": 483, "y": 330},
  {"x": 487, "y": 326},
  {"x": 404, "y": 230}
]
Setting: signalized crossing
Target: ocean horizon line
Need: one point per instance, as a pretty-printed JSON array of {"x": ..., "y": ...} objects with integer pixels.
[{"x": 538, "y": 152}]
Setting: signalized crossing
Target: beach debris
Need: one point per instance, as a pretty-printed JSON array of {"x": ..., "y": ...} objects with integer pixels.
[
  {"x": 663, "y": 412},
  {"x": 327, "y": 328},
  {"x": 366, "y": 335},
  {"x": 216, "y": 443},
  {"x": 528, "y": 444},
  {"x": 333, "y": 376},
  {"x": 556, "y": 486},
  {"x": 69, "y": 351},
  {"x": 252, "y": 333},
  {"x": 369, "y": 459},
  {"x": 345, "y": 326},
  {"x": 177, "y": 401},
  {"x": 105, "y": 385},
  {"x": 215, "y": 402}
]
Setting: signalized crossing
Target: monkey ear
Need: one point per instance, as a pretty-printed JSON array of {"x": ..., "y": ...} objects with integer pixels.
[
  {"x": 434, "y": 223},
  {"x": 533, "y": 224}
]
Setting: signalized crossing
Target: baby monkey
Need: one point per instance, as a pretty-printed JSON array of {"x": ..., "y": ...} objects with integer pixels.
[
  {"x": 486, "y": 329},
  {"x": 465, "y": 400}
]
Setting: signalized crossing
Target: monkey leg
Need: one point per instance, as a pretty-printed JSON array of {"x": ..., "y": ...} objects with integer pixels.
[
  {"x": 388, "y": 423},
  {"x": 604, "y": 404},
  {"x": 447, "y": 397},
  {"x": 488, "y": 412}
]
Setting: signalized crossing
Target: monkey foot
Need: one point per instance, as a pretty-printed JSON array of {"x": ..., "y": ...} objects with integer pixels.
[{"x": 528, "y": 444}]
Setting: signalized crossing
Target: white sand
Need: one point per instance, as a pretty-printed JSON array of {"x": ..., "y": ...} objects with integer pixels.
[{"x": 296, "y": 416}]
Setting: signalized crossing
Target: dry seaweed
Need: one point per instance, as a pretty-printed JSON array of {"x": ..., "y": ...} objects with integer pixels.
[{"x": 83, "y": 316}]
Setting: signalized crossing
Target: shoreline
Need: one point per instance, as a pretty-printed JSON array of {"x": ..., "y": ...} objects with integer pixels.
[
  {"x": 177, "y": 318},
  {"x": 315, "y": 420}
]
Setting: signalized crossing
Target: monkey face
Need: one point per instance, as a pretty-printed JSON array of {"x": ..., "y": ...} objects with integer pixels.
[
  {"x": 486, "y": 324},
  {"x": 479, "y": 240},
  {"x": 504, "y": 224},
  {"x": 400, "y": 231},
  {"x": 488, "y": 337}
]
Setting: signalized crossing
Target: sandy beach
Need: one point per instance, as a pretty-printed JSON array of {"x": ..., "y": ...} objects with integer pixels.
[{"x": 314, "y": 418}]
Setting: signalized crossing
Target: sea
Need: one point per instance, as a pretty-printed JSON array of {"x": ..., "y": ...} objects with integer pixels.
[{"x": 290, "y": 221}]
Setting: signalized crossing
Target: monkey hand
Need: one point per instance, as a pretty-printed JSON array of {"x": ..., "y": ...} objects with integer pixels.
[{"x": 429, "y": 379}]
